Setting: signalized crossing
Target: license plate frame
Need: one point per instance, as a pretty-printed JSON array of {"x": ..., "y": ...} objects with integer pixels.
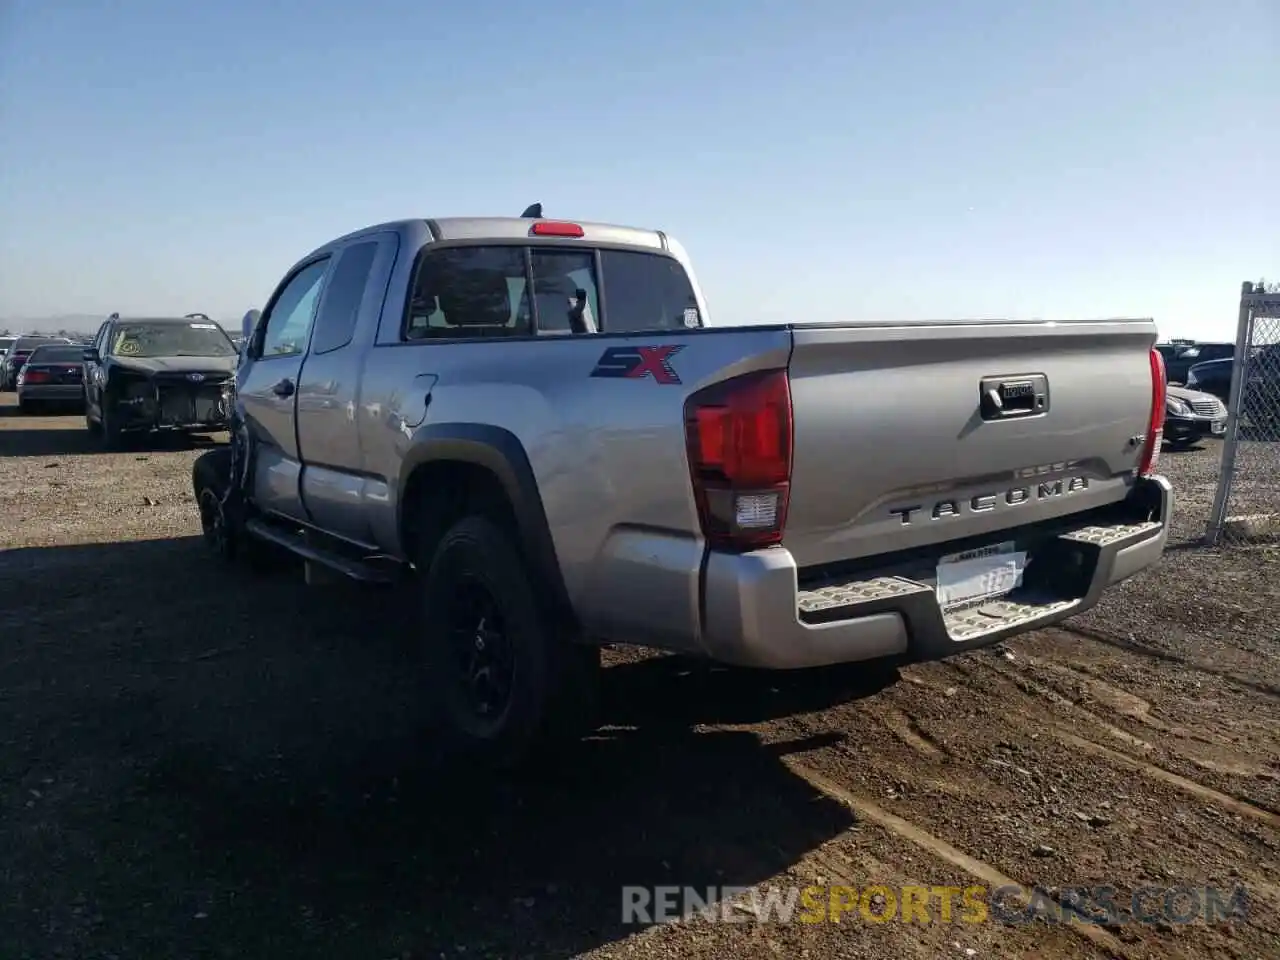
[{"x": 973, "y": 577}]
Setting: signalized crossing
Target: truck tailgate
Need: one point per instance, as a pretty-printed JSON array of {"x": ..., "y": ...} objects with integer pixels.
[{"x": 895, "y": 448}]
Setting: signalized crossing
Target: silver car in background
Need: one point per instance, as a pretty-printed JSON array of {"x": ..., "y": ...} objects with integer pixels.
[{"x": 53, "y": 373}]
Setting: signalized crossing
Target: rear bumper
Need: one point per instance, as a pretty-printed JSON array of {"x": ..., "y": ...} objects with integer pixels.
[
  {"x": 756, "y": 614},
  {"x": 61, "y": 392}
]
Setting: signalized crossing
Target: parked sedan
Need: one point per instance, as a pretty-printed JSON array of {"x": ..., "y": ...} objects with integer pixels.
[
  {"x": 1190, "y": 416},
  {"x": 53, "y": 373},
  {"x": 17, "y": 357}
]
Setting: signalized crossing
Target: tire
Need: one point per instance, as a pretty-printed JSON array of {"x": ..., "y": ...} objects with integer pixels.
[
  {"x": 505, "y": 682},
  {"x": 222, "y": 519},
  {"x": 209, "y": 478},
  {"x": 108, "y": 430},
  {"x": 26, "y": 407}
]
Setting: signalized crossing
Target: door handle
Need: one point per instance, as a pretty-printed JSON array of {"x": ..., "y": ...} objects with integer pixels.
[{"x": 284, "y": 388}]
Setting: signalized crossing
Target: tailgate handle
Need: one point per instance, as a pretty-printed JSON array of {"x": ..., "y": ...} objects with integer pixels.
[{"x": 1008, "y": 397}]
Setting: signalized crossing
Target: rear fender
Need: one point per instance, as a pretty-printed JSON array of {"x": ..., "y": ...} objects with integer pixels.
[{"x": 500, "y": 452}]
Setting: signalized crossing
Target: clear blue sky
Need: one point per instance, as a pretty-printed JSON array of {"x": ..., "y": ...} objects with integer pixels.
[{"x": 820, "y": 160}]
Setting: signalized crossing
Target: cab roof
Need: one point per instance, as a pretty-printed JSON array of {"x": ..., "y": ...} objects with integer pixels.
[{"x": 445, "y": 229}]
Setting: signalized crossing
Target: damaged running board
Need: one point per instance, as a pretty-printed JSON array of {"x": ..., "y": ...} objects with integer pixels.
[{"x": 323, "y": 556}]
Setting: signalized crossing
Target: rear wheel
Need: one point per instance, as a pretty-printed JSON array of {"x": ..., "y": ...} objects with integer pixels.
[{"x": 506, "y": 681}]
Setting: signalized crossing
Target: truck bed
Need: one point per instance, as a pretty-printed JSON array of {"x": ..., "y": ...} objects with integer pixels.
[{"x": 892, "y": 452}]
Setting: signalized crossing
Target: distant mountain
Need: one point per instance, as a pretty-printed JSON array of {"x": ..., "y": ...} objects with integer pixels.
[{"x": 72, "y": 323}]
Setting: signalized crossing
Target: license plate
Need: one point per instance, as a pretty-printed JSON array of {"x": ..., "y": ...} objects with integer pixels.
[
  {"x": 1218, "y": 426},
  {"x": 980, "y": 574}
]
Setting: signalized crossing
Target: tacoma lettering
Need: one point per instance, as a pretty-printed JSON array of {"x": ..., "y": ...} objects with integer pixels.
[{"x": 986, "y": 502}]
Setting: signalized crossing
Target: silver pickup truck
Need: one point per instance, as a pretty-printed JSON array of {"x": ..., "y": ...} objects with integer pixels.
[{"x": 537, "y": 424}]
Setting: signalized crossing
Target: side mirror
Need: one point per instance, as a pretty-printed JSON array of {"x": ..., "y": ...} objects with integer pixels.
[
  {"x": 91, "y": 355},
  {"x": 247, "y": 325}
]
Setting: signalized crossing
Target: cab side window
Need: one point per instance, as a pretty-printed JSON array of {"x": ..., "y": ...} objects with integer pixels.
[
  {"x": 340, "y": 307},
  {"x": 289, "y": 318},
  {"x": 469, "y": 292}
]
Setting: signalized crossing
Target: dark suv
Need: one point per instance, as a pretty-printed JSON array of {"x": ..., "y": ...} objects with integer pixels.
[
  {"x": 1259, "y": 394},
  {"x": 158, "y": 373},
  {"x": 1185, "y": 357}
]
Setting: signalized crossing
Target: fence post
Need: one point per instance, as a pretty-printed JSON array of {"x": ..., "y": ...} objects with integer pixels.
[{"x": 1244, "y": 339}]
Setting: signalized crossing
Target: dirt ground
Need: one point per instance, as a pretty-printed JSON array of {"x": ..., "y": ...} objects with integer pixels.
[{"x": 198, "y": 763}]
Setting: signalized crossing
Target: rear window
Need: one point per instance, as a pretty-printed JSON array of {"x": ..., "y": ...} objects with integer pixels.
[
  {"x": 508, "y": 290},
  {"x": 27, "y": 344},
  {"x": 57, "y": 355}
]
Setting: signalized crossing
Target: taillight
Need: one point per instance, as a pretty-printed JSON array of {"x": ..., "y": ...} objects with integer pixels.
[
  {"x": 35, "y": 376},
  {"x": 1155, "y": 427},
  {"x": 739, "y": 439}
]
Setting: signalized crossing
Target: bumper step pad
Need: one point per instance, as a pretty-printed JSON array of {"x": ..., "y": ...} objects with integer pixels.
[{"x": 909, "y": 591}]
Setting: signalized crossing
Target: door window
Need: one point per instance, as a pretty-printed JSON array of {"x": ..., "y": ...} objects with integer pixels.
[{"x": 289, "y": 319}]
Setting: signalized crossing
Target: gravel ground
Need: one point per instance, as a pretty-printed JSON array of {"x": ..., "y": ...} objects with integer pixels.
[{"x": 197, "y": 763}]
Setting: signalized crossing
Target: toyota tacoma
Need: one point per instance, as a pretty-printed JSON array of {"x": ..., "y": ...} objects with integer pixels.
[{"x": 536, "y": 425}]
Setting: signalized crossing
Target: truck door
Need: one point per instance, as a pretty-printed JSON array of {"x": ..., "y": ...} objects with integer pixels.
[
  {"x": 269, "y": 385},
  {"x": 334, "y": 484}
]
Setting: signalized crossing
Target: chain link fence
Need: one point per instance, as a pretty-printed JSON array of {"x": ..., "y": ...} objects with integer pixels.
[{"x": 1246, "y": 508}]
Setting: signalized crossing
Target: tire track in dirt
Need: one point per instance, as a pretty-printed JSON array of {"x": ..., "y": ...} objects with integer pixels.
[
  {"x": 938, "y": 847},
  {"x": 1129, "y": 646},
  {"x": 1140, "y": 711},
  {"x": 1072, "y": 736},
  {"x": 1007, "y": 790},
  {"x": 1239, "y": 807},
  {"x": 906, "y": 728},
  {"x": 1243, "y": 764}
]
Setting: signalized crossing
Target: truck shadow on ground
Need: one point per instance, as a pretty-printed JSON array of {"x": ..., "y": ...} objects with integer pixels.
[
  {"x": 64, "y": 440},
  {"x": 237, "y": 764}
]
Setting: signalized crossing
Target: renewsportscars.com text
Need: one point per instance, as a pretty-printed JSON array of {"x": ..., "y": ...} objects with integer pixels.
[{"x": 1094, "y": 904}]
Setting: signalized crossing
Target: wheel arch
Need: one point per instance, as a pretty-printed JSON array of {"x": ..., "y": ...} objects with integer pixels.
[{"x": 482, "y": 468}]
